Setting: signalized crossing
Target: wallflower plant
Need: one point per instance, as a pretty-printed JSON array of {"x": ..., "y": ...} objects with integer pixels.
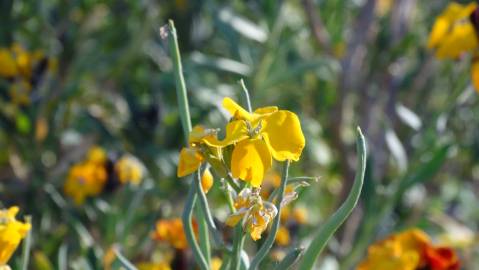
[{"x": 253, "y": 139}]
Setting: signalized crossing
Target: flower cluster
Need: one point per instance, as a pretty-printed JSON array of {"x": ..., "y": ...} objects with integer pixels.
[
  {"x": 409, "y": 250},
  {"x": 12, "y": 232},
  {"x": 99, "y": 173},
  {"x": 455, "y": 32},
  {"x": 252, "y": 141},
  {"x": 23, "y": 70}
]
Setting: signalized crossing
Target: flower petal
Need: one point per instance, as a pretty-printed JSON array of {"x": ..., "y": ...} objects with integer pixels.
[
  {"x": 250, "y": 160},
  {"x": 283, "y": 134},
  {"x": 235, "y": 131},
  {"x": 266, "y": 110},
  {"x": 235, "y": 109},
  {"x": 190, "y": 161}
]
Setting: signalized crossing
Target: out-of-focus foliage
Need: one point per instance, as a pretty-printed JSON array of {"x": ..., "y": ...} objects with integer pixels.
[{"x": 97, "y": 73}]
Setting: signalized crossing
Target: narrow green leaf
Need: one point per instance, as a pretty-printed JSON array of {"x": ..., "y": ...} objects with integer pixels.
[
  {"x": 290, "y": 259},
  {"x": 327, "y": 230}
]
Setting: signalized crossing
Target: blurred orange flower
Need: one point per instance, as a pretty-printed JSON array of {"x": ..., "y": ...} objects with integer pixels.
[{"x": 171, "y": 231}]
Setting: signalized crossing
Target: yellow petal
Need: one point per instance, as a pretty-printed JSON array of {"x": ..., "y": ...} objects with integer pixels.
[
  {"x": 235, "y": 131},
  {"x": 190, "y": 161},
  {"x": 236, "y": 110},
  {"x": 250, "y": 160},
  {"x": 199, "y": 133},
  {"x": 461, "y": 39},
  {"x": 283, "y": 134},
  {"x": 8, "y": 67},
  {"x": 234, "y": 218},
  {"x": 266, "y": 110}
]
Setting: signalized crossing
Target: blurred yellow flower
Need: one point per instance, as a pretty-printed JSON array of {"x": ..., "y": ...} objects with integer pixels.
[
  {"x": 258, "y": 137},
  {"x": 97, "y": 155},
  {"x": 216, "y": 263},
  {"x": 282, "y": 236},
  {"x": 171, "y": 231},
  {"x": 11, "y": 234},
  {"x": 153, "y": 266},
  {"x": 453, "y": 33},
  {"x": 300, "y": 215},
  {"x": 129, "y": 169},
  {"x": 8, "y": 66},
  {"x": 85, "y": 179},
  {"x": 191, "y": 156},
  {"x": 255, "y": 213}
]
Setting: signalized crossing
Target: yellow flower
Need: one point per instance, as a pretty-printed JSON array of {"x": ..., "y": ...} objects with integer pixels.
[
  {"x": 192, "y": 156},
  {"x": 255, "y": 213},
  {"x": 206, "y": 180},
  {"x": 171, "y": 231},
  {"x": 216, "y": 263},
  {"x": 153, "y": 266},
  {"x": 402, "y": 251},
  {"x": 96, "y": 154},
  {"x": 85, "y": 179},
  {"x": 453, "y": 33},
  {"x": 300, "y": 215},
  {"x": 8, "y": 66},
  {"x": 129, "y": 169},
  {"x": 258, "y": 137},
  {"x": 282, "y": 236},
  {"x": 11, "y": 234}
]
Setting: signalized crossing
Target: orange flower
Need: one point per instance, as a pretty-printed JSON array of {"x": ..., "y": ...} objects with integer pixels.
[
  {"x": 441, "y": 258},
  {"x": 171, "y": 231}
]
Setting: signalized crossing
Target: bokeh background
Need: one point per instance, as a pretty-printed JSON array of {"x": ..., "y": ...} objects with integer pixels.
[{"x": 336, "y": 63}]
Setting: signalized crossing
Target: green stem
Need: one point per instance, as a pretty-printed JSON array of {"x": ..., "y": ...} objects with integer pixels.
[
  {"x": 179, "y": 80},
  {"x": 332, "y": 224},
  {"x": 207, "y": 213},
  {"x": 238, "y": 242},
  {"x": 268, "y": 243},
  {"x": 188, "y": 227},
  {"x": 246, "y": 96},
  {"x": 27, "y": 245},
  {"x": 185, "y": 118}
]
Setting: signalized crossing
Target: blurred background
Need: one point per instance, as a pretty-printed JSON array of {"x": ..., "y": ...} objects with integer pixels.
[{"x": 99, "y": 74}]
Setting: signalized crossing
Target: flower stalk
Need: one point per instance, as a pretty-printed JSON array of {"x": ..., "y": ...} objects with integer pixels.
[{"x": 202, "y": 257}]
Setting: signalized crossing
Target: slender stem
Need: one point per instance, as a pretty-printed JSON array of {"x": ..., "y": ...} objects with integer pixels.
[
  {"x": 207, "y": 213},
  {"x": 232, "y": 183},
  {"x": 268, "y": 243},
  {"x": 188, "y": 228},
  {"x": 238, "y": 241},
  {"x": 185, "y": 118},
  {"x": 179, "y": 80},
  {"x": 246, "y": 96},
  {"x": 27, "y": 245},
  {"x": 326, "y": 231}
]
